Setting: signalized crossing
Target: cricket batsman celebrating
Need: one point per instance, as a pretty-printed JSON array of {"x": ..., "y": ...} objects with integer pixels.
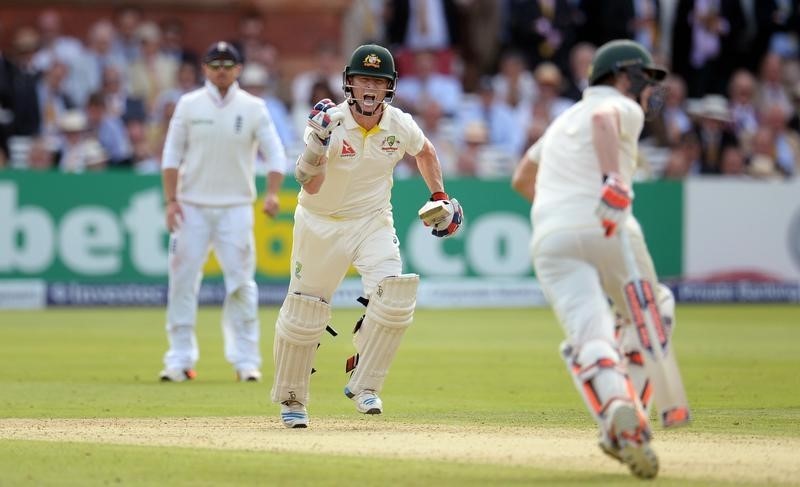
[
  {"x": 588, "y": 248},
  {"x": 343, "y": 218}
]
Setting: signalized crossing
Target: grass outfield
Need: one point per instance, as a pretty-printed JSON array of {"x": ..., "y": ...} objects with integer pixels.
[{"x": 78, "y": 393}]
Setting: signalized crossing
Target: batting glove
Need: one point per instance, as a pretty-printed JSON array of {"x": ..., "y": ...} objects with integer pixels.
[
  {"x": 324, "y": 117},
  {"x": 615, "y": 199},
  {"x": 444, "y": 215}
]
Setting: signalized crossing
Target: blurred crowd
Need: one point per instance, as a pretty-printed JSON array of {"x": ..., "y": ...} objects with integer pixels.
[{"x": 483, "y": 78}]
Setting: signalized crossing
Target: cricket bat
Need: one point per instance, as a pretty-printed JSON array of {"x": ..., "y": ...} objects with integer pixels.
[
  {"x": 659, "y": 357},
  {"x": 434, "y": 212}
]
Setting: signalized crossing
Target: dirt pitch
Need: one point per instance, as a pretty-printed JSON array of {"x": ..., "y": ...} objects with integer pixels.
[{"x": 683, "y": 454}]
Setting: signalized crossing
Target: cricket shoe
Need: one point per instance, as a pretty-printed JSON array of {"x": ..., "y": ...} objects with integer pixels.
[
  {"x": 248, "y": 375},
  {"x": 176, "y": 375},
  {"x": 367, "y": 402},
  {"x": 631, "y": 445},
  {"x": 294, "y": 414}
]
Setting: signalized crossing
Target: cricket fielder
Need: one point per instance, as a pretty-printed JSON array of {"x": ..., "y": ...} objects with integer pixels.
[
  {"x": 344, "y": 218},
  {"x": 209, "y": 187},
  {"x": 582, "y": 168}
]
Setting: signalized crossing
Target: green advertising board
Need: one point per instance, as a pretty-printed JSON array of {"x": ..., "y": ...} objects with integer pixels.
[{"x": 109, "y": 228}]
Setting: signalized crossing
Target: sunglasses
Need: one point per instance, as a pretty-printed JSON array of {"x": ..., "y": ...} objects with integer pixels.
[{"x": 217, "y": 65}]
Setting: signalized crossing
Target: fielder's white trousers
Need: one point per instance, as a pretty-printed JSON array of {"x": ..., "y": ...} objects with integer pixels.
[
  {"x": 579, "y": 270},
  {"x": 323, "y": 250},
  {"x": 229, "y": 231}
]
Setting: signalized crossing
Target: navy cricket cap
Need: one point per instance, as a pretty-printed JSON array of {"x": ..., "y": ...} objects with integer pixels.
[{"x": 222, "y": 51}]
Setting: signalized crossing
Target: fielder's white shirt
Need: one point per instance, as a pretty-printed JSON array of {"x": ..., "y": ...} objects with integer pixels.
[
  {"x": 569, "y": 180},
  {"x": 213, "y": 143},
  {"x": 359, "y": 179}
]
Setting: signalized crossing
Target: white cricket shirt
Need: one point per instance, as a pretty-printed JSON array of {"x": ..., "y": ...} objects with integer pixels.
[
  {"x": 359, "y": 179},
  {"x": 213, "y": 143},
  {"x": 569, "y": 180}
]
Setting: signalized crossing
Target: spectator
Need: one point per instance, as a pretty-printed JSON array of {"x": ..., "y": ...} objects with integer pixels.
[
  {"x": 481, "y": 23},
  {"x": 8, "y": 75},
  {"x": 80, "y": 151},
  {"x": 423, "y": 24},
  {"x": 623, "y": 19},
  {"x": 154, "y": 72},
  {"x": 580, "y": 59},
  {"x": 426, "y": 84},
  {"x": 40, "y": 157},
  {"x": 732, "y": 162},
  {"x": 172, "y": 43},
  {"x": 713, "y": 131},
  {"x": 363, "y": 23},
  {"x": 705, "y": 47},
  {"x": 514, "y": 83},
  {"x": 56, "y": 47},
  {"x": 118, "y": 102},
  {"x": 327, "y": 69},
  {"x": 742, "y": 91},
  {"x": 778, "y": 26},
  {"x": 299, "y": 112},
  {"x": 52, "y": 101},
  {"x": 548, "y": 104},
  {"x": 497, "y": 116},
  {"x": 25, "y": 101},
  {"x": 543, "y": 29},
  {"x": 443, "y": 134},
  {"x": 109, "y": 130},
  {"x": 99, "y": 53},
  {"x": 126, "y": 43},
  {"x": 762, "y": 164},
  {"x": 255, "y": 80},
  {"x": 786, "y": 140},
  {"x": 673, "y": 122},
  {"x": 480, "y": 158},
  {"x": 771, "y": 90},
  {"x": 251, "y": 35}
]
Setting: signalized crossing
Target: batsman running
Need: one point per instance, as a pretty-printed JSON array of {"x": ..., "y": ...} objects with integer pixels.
[
  {"x": 343, "y": 218},
  {"x": 589, "y": 251}
]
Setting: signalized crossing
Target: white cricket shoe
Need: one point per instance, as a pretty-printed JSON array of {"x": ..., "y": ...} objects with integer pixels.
[
  {"x": 294, "y": 414},
  {"x": 176, "y": 375},
  {"x": 248, "y": 375},
  {"x": 367, "y": 401},
  {"x": 632, "y": 442}
]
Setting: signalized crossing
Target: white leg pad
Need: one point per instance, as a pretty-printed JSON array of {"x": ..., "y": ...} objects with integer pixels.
[
  {"x": 389, "y": 313},
  {"x": 628, "y": 340},
  {"x": 596, "y": 371},
  {"x": 301, "y": 322}
]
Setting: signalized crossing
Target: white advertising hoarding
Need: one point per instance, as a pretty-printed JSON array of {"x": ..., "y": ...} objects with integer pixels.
[{"x": 741, "y": 229}]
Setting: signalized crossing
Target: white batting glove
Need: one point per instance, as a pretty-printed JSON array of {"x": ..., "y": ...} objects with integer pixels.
[
  {"x": 615, "y": 202},
  {"x": 324, "y": 117},
  {"x": 444, "y": 215}
]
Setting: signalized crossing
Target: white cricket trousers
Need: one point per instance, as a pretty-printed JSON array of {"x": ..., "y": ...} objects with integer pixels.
[
  {"x": 229, "y": 231},
  {"x": 324, "y": 248},
  {"x": 579, "y": 270}
]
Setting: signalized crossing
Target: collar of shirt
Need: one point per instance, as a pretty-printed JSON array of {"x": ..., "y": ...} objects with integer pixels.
[
  {"x": 213, "y": 91},
  {"x": 600, "y": 90},
  {"x": 350, "y": 123}
]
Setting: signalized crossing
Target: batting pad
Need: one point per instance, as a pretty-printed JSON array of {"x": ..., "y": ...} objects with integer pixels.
[
  {"x": 301, "y": 323},
  {"x": 595, "y": 369},
  {"x": 389, "y": 313}
]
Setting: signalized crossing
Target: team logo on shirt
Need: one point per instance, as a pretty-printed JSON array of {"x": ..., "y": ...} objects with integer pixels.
[
  {"x": 390, "y": 144},
  {"x": 347, "y": 150},
  {"x": 237, "y": 125}
]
